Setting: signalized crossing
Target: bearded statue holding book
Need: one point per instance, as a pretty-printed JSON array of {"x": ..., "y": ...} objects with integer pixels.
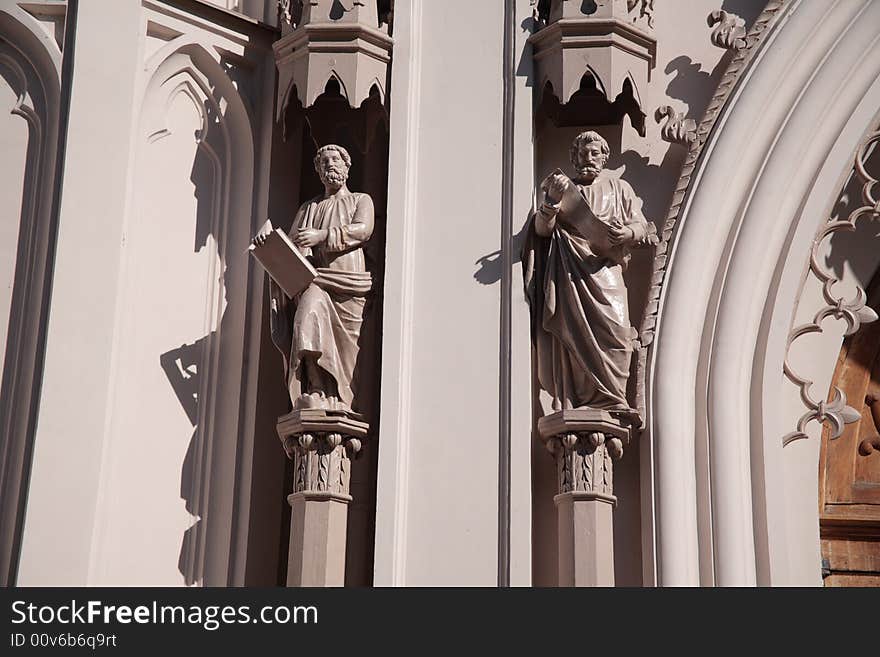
[
  {"x": 577, "y": 248},
  {"x": 316, "y": 322}
]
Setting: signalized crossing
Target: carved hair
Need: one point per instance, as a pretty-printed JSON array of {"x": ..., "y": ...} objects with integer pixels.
[
  {"x": 333, "y": 147},
  {"x": 585, "y": 138}
]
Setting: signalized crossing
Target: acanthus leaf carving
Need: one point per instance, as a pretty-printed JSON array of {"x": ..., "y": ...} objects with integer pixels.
[
  {"x": 729, "y": 32},
  {"x": 321, "y": 446},
  {"x": 677, "y": 129}
]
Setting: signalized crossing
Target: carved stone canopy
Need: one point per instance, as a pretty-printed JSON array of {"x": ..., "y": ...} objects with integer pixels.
[
  {"x": 334, "y": 39},
  {"x": 599, "y": 40}
]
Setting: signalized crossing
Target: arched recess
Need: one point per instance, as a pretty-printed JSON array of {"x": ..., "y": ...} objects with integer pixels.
[
  {"x": 30, "y": 90},
  {"x": 768, "y": 174},
  {"x": 177, "y": 433}
]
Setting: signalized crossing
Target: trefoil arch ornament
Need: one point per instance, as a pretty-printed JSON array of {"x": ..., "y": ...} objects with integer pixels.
[{"x": 853, "y": 311}]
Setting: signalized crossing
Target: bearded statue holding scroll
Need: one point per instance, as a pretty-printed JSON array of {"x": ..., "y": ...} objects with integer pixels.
[{"x": 576, "y": 250}]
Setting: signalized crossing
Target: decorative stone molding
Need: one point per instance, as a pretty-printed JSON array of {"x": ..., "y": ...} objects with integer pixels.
[
  {"x": 321, "y": 445},
  {"x": 584, "y": 442},
  {"x": 606, "y": 44},
  {"x": 729, "y": 32},
  {"x": 30, "y": 66},
  {"x": 853, "y": 311},
  {"x": 677, "y": 129},
  {"x": 324, "y": 39}
]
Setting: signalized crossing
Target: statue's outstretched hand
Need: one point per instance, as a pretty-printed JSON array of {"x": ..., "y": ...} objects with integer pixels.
[{"x": 618, "y": 235}]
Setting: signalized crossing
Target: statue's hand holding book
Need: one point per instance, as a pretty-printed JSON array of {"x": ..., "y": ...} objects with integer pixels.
[{"x": 282, "y": 260}]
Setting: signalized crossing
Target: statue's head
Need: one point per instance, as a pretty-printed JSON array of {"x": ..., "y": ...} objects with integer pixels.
[
  {"x": 589, "y": 153},
  {"x": 332, "y": 163}
]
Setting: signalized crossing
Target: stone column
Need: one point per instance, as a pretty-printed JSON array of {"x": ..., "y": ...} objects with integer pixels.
[
  {"x": 584, "y": 442},
  {"x": 321, "y": 445}
]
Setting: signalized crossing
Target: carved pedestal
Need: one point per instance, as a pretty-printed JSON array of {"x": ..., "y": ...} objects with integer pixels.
[
  {"x": 584, "y": 442},
  {"x": 321, "y": 445}
]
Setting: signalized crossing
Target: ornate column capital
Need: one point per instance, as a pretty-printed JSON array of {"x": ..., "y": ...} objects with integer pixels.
[
  {"x": 321, "y": 445},
  {"x": 584, "y": 442}
]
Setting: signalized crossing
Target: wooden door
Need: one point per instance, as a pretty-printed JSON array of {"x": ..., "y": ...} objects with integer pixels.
[{"x": 849, "y": 466}]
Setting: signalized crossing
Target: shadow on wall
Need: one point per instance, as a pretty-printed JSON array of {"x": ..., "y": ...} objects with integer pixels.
[
  {"x": 186, "y": 366},
  {"x": 748, "y": 10},
  {"x": 181, "y": 366},
  {"x": 693, "y": 85},
  {"x": 848, "y": 247}
]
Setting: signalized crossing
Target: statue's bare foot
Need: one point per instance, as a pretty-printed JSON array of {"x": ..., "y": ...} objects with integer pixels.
[{"x": 311, "y": 400}]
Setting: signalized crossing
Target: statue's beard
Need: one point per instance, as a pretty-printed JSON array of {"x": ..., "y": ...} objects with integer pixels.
[
  {"x": 589, "y": 170},
  {"x": 335, "y": 177}
]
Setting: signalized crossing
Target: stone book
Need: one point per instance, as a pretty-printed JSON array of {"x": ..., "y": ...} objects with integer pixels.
[
  {"x": 575, "y": 212},
  {"x": 283, "y": 262}
]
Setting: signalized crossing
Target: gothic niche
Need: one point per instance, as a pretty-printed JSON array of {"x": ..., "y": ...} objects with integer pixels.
[
  {"x": 329, "y": 178},
  {"x": 591, "y": 60}
]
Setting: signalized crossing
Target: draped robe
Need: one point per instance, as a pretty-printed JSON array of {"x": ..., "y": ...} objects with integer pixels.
[
  {"x": 578, "y": 300},
  {"x": 328, "y": 315}
]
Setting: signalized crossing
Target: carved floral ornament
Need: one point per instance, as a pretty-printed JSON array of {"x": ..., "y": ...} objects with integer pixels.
[
  {"x": 853, "y": 311},
  {"x": 729, "y": 32},
  {"x": 677, "y": 129}
]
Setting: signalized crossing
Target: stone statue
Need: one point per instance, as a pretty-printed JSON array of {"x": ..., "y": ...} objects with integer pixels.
[
  {"x": 575, "y": 287},
  {"x": 319, "y": 339}
]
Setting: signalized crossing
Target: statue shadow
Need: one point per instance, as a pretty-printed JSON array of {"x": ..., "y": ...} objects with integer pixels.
[
  {"x": 183, "y": 365},
  {"x": 489, "y": 266},
  {"x": 692, "y": 85}
]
